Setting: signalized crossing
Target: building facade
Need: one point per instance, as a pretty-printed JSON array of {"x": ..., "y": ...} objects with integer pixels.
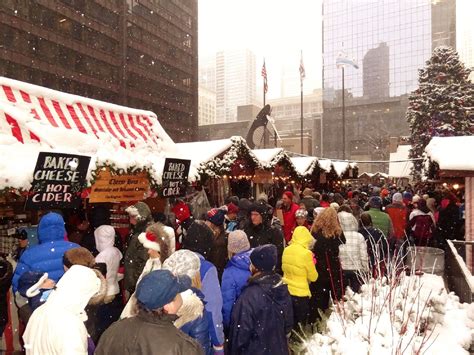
[
  {"x": 390, "y": 41},
  {"x": 207, "y": 106},
  {"x": 235, "y": 82},
  {"x": 142, "y": 54},
  {"x": 465, "y": 33}
]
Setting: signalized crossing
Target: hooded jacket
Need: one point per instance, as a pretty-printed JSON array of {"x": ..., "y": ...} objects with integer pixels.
[
  {"x": 109, "y": 255},
  {"x": 236, "y": 274},
  {"x": 298, "y": 266},
  {"x": 136, "y": 254},
  {"x": 262, "y": 317},
  {"x": 289, "y": 220},
  {"x": 211, "y": 291},
  {"x": 47, "y": 256},
  {"x": 353, "y": 254},
  {"x": 263, "y": 234},
  {"x": 192, "y": 320},
  {"x": 146, "y": 334},
  {"x": 57, "y": 327}
]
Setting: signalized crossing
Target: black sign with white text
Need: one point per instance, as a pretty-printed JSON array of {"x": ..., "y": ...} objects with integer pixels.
[
  {"x": 58, "y": 181},
  {"x": 175, "y": 177}
]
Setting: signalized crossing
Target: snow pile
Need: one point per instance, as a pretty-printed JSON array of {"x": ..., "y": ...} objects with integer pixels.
[
  {"x": 413, "y": 315},
  {"x": 451, "y": 153}
]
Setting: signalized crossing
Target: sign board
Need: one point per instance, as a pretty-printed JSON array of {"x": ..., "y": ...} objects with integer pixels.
[
  {"x": 119, "y": 188},
  {"x": 175, "y": 177},
  {"x": 263, "y": 177},
  {"x": 58, "y": 181}
]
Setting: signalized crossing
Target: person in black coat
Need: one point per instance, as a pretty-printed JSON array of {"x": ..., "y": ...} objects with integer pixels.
[
  {"x": 6, "y": 274},
  {"x": 261, "y": 233},
  {"x": 448, "y": 221},
  {"x": 329, "y": 236},
  {"x": 262, "y": 317}
]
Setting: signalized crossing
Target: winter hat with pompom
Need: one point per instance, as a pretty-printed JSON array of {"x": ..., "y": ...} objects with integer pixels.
[{"x": 238, "y": 242}]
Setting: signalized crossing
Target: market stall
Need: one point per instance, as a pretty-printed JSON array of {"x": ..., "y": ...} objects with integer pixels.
[
  {"x": 119, "y": 141},
  {"x": 277, "y": 170},
  {"x": 223, "y": 167},
  {"x": 454, "y": 169}
]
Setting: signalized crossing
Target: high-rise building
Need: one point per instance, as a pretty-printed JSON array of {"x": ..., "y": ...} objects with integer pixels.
[
  {"x": 142, "y": 54},
  {"x": 207, "y": 73},
  {"x": 235, "y": 82},
  {"x": 207, "y": 106},
  {"x": 392, "y": 40},
  {"x": 376, "y": 72},
  {"x": 465, "y": 33}
]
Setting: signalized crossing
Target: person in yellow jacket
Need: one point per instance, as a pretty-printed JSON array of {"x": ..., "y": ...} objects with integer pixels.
[{"x": 299, "y": 269}]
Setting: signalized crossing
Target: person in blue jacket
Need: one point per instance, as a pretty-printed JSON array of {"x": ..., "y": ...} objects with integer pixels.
[
  {"x": 199, "y": 240},
  {"x": 236, "y": 272},
  {"x": 47, "y": 256},
  {"x": 262, "y": 317}
]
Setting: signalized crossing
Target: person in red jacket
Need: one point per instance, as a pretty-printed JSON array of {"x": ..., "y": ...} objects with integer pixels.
[
  {"x": 399, "y": 215},
  {"x": 289, "y": 209}
]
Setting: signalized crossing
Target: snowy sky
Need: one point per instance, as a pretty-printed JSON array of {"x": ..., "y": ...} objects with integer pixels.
[{"x": 275, "y": 29}]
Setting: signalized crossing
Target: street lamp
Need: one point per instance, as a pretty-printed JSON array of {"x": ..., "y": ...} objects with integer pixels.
[{"x": 341, "y": 62}]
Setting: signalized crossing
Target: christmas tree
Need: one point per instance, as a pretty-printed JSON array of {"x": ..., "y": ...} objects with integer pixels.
[{"x": 441, "y": 106}]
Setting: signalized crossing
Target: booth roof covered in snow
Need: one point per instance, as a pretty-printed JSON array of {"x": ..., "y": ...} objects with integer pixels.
[
  {"x": 452, "y": 153},
  {"x": 304, "y": 165}
]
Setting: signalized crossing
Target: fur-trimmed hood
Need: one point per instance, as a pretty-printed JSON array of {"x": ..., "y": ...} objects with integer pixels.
[{"x": 191, "y": 309}]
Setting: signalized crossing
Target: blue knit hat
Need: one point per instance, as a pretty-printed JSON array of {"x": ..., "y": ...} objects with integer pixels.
[
  {"x": 216, "y": 216},
  {"x": 160, "y": 287},
  {"x": 264, "y": 258}
]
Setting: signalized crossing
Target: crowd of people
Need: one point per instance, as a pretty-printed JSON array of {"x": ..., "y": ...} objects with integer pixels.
[{"x": 237, "y": 280}]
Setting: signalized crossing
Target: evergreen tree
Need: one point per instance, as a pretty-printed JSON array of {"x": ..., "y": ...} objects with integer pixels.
[{"x": 442, "y": 105}]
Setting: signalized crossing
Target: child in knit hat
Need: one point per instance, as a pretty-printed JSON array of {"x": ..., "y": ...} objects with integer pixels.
[{"x": 236, "y": 273}]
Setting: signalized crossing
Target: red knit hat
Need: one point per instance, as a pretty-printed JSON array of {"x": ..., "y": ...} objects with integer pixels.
[
  {"x": 231, "y": 208},
  {"x": 181, "y": 211}
]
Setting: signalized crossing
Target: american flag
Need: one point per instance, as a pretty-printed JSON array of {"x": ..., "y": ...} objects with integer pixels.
[
  {"x": 302, "y": 71},
  {"x": 264, "y": 75}
]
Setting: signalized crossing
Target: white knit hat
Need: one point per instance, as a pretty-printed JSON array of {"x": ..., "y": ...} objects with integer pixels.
[{"x": 183, "y": 262}]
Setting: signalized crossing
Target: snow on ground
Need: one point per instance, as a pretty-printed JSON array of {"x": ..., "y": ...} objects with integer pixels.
[
  {"x": 416, "y": 316},
  {"x": 452, "y": 153}
]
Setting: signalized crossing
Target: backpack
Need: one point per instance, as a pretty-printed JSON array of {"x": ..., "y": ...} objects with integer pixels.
[{"x": 423, "y": 227}]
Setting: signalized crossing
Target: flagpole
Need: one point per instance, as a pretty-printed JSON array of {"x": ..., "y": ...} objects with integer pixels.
[
  {"x": 302, "y": 75},
  {"x": 301, "y": 128}
]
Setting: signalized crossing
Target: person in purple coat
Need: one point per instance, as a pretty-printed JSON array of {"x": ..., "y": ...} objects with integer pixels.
[{"x": 236, "y": 272}]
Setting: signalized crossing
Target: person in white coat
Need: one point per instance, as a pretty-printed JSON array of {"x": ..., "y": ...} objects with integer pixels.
[
  {"x": 111, "y": 256},
  {"x": 108, "y": 312},
  {"x": 57, "y": 327},
  {"x": 353, "y": 254}
]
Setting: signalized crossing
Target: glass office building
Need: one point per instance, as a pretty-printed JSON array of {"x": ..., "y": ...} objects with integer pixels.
[
  {"x": 389, "y": 40},
  {"x": 357, "y": 28}
]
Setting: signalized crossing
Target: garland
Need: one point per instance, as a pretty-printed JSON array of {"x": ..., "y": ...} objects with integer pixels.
[{"x": 222, "y": 164}]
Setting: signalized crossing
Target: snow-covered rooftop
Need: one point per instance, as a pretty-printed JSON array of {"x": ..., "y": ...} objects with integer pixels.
[
  {"x": 398, "y": 168},
  {"x": 452, "y": 153},
  {"x": 304, "y": 164},
  {"x": 266, "y": 156}
]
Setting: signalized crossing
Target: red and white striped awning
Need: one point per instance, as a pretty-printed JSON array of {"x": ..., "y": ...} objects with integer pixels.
[{"x": 21, "y": 103}]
